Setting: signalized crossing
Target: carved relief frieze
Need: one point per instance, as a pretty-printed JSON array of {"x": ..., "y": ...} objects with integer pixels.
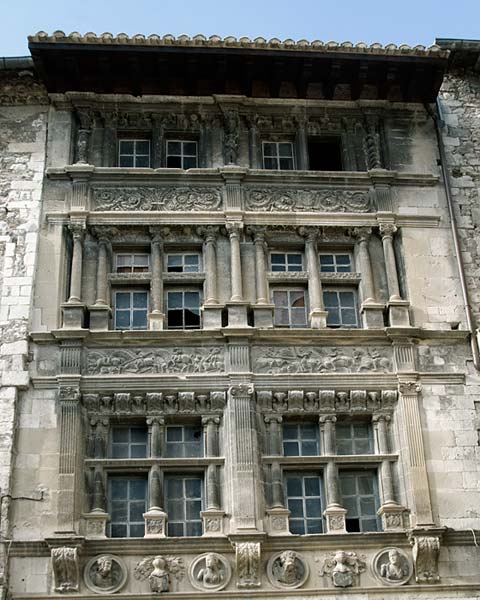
[
  {"x": 270, "y": 199},
  {"x": 103, "y": 405},
  {"x": 329, "y": 359},
  {"x": 392, "y": 566},
  {"x": 159, "y": 198},
  {"x": 327, "y": 400},
  {"x": 176, "y": 360},
  {"x": 160, "y": 572}
]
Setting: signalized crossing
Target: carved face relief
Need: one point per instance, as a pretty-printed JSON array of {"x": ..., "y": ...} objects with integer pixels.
[
  {"x": 105, "y": 574},
  {"x": 210, "y": 571},
  {"x": 392, "y": 566},
  {"x": 287, "y": 570}
]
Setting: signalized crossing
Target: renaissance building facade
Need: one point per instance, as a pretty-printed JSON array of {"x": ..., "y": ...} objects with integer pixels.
[{"x": 251, "y": 366}]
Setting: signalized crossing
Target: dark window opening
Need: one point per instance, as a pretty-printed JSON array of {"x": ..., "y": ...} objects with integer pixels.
[{"x": 325, "y": 154}]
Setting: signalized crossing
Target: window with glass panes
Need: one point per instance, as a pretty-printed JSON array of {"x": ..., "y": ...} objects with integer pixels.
[
  {"x": 305, "y": 502},
  {"x": 359, "y": 490},
  {"x": 184, "y": 441},
  {"x": 128, "y": 442},
  {"x": 341, "y": 306},
  {"x": 183, "y": 503},
  {"x": 134, "y": 153},
  {"x": 290, "y": 308},
  {"x": 127, "y": 503},
  {"x": 183, "y": 310},
  {"x": 132, "y": 263},
  {"x": 183, "y": 263},
  {"x": 286, "y": 261},
  {"x": 335, "y": 263},
  {"x": 278, "y": 155},
  {"x": 354, "y": 438},
  {"x": 300, "y": 439},
  {"x": 182, "y": 154},
  {"x": 131, "y": 309}
]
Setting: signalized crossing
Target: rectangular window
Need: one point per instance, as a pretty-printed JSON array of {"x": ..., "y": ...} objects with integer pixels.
[
  {"x": 131, "y": 309},
  {"x": 325, "y": 154},
  {"x": 290, "y": 308},
  {"x": 300, "y": 439},
  {"x": 278, "y": 156},
  {"x": 354, "y": 438},
  {"x": 304, "y": 501},
  {"x": 183, "y": 263},
  {"x": 184, "y": 441},
  {"x": 183, "y": 310},
  {"x": 182, "y": 154},
  {"x": 335, "y": 263},
  {"x": 134, "y": 153},
  {"x": 132, "y": 263},
  {"x": 360, "y": 499},
  {"x": 127, "y": 503},
  {"x": 286, "y": 261},
  {"x": 184, "y": 502},
  {"x": 128, "y": 442},
  {"x": 341, "y": 307}
]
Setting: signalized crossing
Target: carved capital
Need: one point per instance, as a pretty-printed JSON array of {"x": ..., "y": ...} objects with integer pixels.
[
  {"x": 273, "y": 419},
  {"x": 409, "y": 388},
  {"x": 381, "y": 418},
  {"x": 155, "y": 421},
  {"x": 241, "y": 389},
  {"x": 210, "y": 419},
  {"x": 387, "y": 230},
  {"x": 69, "y": 394},
  {"x": 258, "y": 234},
  {"x": 209, "y": 233},
  {"x": 234, "y": 228},
  {"x": 327, "y": 419},
  {"x": 362, "y": 233},
  {"x": 311, "y": 234},
  {"x": 77, "y": 230}
]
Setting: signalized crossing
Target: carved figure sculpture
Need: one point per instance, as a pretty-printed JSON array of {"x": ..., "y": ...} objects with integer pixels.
[
  {"x": 105, "y": 574},
  {"x": 287, "y": 570},
  {"x": 392, "y": 566},
  {"x": 159, "y": 570},
  {"x": 210, "y": 571},
  {"x": 65, "y": 569},
  {"x": 343, "y": 567},
  {"x": 230, "y": 142}
]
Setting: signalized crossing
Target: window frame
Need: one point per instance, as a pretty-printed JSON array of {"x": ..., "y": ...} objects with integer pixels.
[
  {"x": 335, "y": 265},
  {"x": 131, "y": 291},
  {"x": 183, "y": 441},
  {"x": 183, "y": 290},
  {"x": 353, "y": 439},
  {"x": 183, "y": 254},
  {"x": 289, "y": 290},
  {"x": 129, "y": 443},
  {"x": 286, "y": 254},
  {"x": 184, "y": 476},
  {"x": 182, "y": 155},
  {"x": 135, "y": 154},
  {"x": 277, "y": 157},
  {"x": 357, "y": 472},
  {"x": 127, "y": 523},
  {"x": 303, "y": 474},
  {"x": 339, "y": 290},
  {"x": 299, "y": 440},
  {"x": 132, "y": 255}
]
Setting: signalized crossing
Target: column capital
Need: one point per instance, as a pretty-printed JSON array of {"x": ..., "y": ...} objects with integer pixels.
[
  {"x": 77, "y": 229},
  {"x": 381, "y": 418},
  {"x": 273, "y": 419},
  {"x": 156, "y": 421},
  {"x": 409, "y": 388},
  {"x": 387, "y": 230},
  {"x": 327, "y": 419},
  {"x": 258, "y": 233},
  {"x": 104, "y": 234},
  {"x": 234, "y": 228},
  {"x": 311, "y": 234},
  {"x": 241, "y": 389},
  {"x": 157, "y": 234},
  {"x": 362, "y": 233},
  {"x": 209, "y": 233},
  {"x": 208, "y": 419}
]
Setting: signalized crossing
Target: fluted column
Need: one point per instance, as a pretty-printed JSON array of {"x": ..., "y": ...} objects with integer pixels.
[
  {"x": 234, "y": 231},
  {"x": 318, "y": 316}
]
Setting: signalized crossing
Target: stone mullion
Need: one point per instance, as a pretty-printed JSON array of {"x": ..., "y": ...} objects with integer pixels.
[
  {"x": 410, "y": 422},
  {"x": 318, "y": 317},
  {"x": 77, "y": 262},
  {"x": 210, "y": 253},
  {"x": 156, "y": 426},
  {"x": 302, "y": 146},
  {"x": 156, "y": 316},
  {"x": 234, "y": 230},
  {"x": 334, "y": 513},
  {"x": 102, "y": 272},
  {"x": 274, "y": 437}
]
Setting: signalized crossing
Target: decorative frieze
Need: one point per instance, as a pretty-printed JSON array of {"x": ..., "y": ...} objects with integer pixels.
[
  {"x": 175, "y": 360},
  {"x": 157, "y": 198},
  {"x": 327, "y": 359},
  {"x": 270, "y": 199}
]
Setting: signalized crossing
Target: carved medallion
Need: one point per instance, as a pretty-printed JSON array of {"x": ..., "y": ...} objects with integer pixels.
[
  {"x": 287, "y": 570},
  {"x": 210, "y": 571},
  {"x": 392, "y": 566},
  {"x": 105, "y": 574}
]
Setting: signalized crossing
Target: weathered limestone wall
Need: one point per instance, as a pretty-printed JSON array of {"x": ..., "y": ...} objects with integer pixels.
[{"x": 23, "y": 126}]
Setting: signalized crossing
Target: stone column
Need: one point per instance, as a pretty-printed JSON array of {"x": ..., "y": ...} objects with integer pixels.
[
  {"x": 213, "y": 515},
  {"x": 274, "y": 435},
  {"x": 110, "y": 157},
  {"x": 302, "y": 146},
  {"x": 413, "y": 453},
  {"x": 372, "y": 311},
  {"x": 155, "y": 517},
  {"x": 212, "y": 309},
  {"x": 397, "y": 308},
  {"x": 157, "y": 159},
  {"x": 334, "y": 512},
  {"x": 205, "y": 143},
  {"x": 210, "y": 428},
  {"x": 74, "y": 308},
  {"x": 237, "y": 307},
  {"x": 318, "y": 316},
  {"x": 100, "y": 312},
  {"x": 156, "y": 429},
  {"x": 263, "y": 308},
  {"x": 156, "y": 318},
  {"x": 253, "y": 146}
]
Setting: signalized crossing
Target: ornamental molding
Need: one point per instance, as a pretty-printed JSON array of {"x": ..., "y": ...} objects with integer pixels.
[
  {"x": 328, "y": 359},
  {"x": 167, "y": 198},
  {"x": 273, "y": 199},
  {"x": 169, "y": 361}
]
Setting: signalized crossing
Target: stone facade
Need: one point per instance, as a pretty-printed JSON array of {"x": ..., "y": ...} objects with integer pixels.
[{"x": 249, "y": 369}]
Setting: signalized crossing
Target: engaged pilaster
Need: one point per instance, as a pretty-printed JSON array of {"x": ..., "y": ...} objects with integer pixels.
[
  {"x": 334, "y": 513},
  {"x": 212, "y": 310},
  {"x": 262, "y": 309},
  {"x": 100, "y": 312}
]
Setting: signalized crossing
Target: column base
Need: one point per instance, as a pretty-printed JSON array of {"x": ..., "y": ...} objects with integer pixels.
[
  {"x": 213, "y": 523},
  {"x": 212, "y": 316},
  {"x": 156, "y": 321},
  {"x": 335, "y": 516},
  {"x": 278, "y": 521},
  {"x": 96, "y": 524},
  {"x": 99, "y": 317},
  {"x": 155, "y": 523},
  {"x": 372, "y": 315},
  {"x": 398, "y": 315},
  {"x": 394, "y": 517},
  {"x": 318, "y": 318},
  {"x": 263, "y": 315},
  {"x": 73, "y": 315},
  {"x": 237, "y": 314}
]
